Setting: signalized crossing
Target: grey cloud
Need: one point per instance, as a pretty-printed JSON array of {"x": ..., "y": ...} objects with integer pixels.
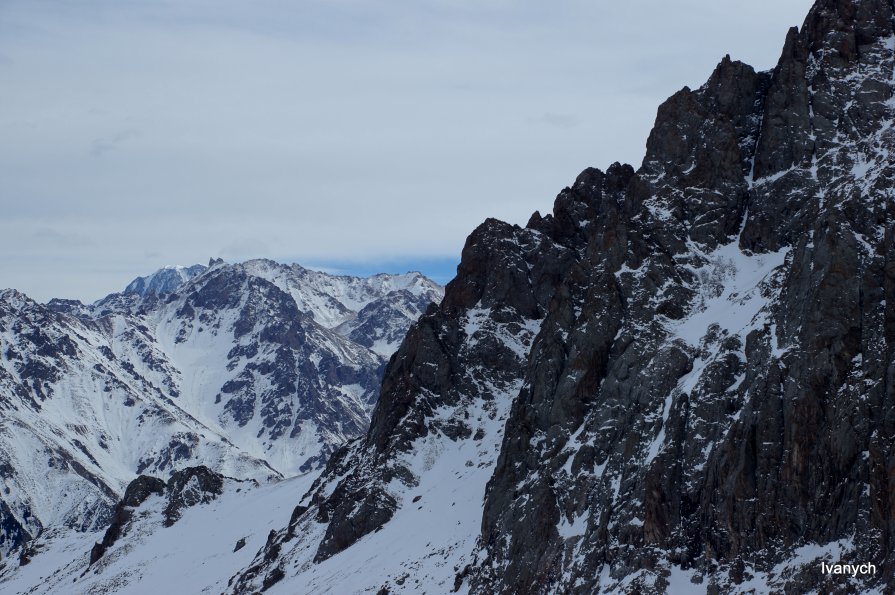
[
  {"x": 101, "y": 146},
  {"x": 244, "y": 249},
  {"x": 62, "y": 239},
  {"x": 564, "y": 121},
  {"x": 327, "y": 131}
]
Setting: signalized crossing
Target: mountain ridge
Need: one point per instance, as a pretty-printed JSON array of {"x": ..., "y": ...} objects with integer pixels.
[
  {"x": 680, "y": 380},
  {"x": 676, "y": 420},
  {"x": 218, "y": 367}
]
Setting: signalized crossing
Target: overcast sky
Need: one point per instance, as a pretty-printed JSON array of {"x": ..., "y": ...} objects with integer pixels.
[{"x": 354, "y": 135}]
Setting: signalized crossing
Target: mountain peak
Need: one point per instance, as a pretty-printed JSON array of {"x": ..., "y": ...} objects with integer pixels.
[
  {"x": 677, "y": 381},
  {"x": 700, "y": 394},
  {"x": 165, "y": 280},
  {"x": 14, "y": 297},
  {"x": 845, "y": 26}
]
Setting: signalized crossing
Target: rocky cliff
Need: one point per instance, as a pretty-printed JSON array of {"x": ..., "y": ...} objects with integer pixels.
[{"x": 680, "y": 380}]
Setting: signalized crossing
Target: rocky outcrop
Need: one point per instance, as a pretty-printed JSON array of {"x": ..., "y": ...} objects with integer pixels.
[
  {"x": 136, "y": 493},
  {"x": 722, "y": 450},
  {"x": 705, "y": 400},
  {"x": 186, "y": 488},
  {"x": 13, "y": 533},
  {"x": 448, "y": 384}
]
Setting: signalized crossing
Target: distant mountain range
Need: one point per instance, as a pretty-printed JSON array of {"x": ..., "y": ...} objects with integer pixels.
[{"x": 257, "y": 370}]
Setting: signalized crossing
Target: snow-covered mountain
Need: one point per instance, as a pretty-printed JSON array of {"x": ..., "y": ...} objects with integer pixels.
[
  {"x": 165, "y": 280},
  {"x": 186, "y": 535},
  {"x": 682, "y": 380},
  {"x": 241, "y": 367}
]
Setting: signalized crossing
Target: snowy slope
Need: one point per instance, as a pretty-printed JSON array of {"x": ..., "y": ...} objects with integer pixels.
[
  {"x": 224, "y": 370},
  {"x": 400, "y": 508},
  {"x": 677, "y": 381},
  {"x": 81, "y": 415},
  {"x": 197, "y": 554},
  {"x": 437, "y": 496}
]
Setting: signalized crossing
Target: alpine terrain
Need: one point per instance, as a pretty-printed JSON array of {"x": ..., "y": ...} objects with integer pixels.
[
  {"x": 682, "y": 380},
  {"x": 256, "y": 370}
]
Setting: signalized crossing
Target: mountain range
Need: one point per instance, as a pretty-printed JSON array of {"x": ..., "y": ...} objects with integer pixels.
[
  {"x": 681, "y": 380},
  {"x": 257, "y": 370}
]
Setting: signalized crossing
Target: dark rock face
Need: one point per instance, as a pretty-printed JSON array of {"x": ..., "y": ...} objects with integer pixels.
[
  {"x": 144, "y": 486},
  {"x": 12, "y": 533},
  {"x": 731, "y": 451},
  {"x": 709, "y": 396},
  {"x": 136, "y": 494},
  {"x": 437, "y": 366},
  {"x": 188, "y": 487}
]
